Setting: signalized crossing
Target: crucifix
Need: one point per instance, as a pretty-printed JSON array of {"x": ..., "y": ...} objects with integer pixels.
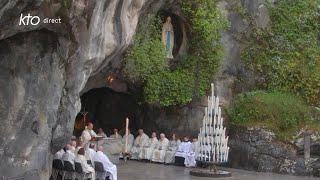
[{"x": 84, "y": 113}]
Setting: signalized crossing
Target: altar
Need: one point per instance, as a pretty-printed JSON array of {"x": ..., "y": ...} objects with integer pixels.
[{"x": 111, "y": 148}]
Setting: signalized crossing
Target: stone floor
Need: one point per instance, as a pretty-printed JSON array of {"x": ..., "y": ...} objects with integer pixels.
[{"x": 133, "y": 170}]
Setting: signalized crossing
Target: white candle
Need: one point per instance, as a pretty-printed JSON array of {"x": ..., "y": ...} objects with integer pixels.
[
  {"x": 214, "y": 121},
  {"x": 127, "y": 133},
  {"x": 201, "y": 152},
  {"x": 217, "y": 105},
  {"x": 221, "y": 121},
  {"x": 227, "y": 139},
  {"x": 227, "y": 154},
  {"x": 212, "y": 141},
  {"x": 212, "y": 90},
  {"x": 219, "y": 116},
  {"x": 217, "y": 153},
  {"x": 214, "y": 154},
  {"x": 203, "y": 123}
]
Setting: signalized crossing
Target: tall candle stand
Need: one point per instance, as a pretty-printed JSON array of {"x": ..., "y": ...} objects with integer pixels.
[{"x": 213, "y": 143}]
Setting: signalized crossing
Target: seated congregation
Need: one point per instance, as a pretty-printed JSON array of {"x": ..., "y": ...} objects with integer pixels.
[{"x": 82, "y": 159}]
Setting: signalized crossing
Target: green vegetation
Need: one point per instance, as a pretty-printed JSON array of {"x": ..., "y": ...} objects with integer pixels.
[
  {"x": 287, "y": 54},
  {"x": 146, "y": 61},
  {"x": 283, "y": 113}
]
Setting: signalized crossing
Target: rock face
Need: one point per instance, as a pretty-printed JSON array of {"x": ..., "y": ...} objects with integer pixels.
[
  {"x": 257, "y": 149},
  {"x": 44, "y": 68}
]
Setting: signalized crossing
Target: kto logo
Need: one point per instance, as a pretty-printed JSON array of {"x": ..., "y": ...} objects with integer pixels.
[{"x": 25, "y": 20}]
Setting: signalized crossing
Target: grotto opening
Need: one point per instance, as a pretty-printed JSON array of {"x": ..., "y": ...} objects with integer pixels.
[{"x": 108, "y": 109}]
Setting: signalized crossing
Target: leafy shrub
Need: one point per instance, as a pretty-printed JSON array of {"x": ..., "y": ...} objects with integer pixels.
[
  {"x": 287, "y": 54},
  {"x": 283, "y": 113}
]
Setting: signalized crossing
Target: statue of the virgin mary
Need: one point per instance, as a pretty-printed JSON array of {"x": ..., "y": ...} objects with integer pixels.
[{"x": 168, "y": 37}]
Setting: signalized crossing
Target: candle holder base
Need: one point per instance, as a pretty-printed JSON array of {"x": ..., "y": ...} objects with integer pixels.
[
  {"x": 208, "y": 173},
  {"x": 211, "y": 172},
  {"x": 125, "y": 156}
]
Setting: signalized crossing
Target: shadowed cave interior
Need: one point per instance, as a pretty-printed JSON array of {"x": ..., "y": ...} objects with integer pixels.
[{"x": 107, "y": 109}]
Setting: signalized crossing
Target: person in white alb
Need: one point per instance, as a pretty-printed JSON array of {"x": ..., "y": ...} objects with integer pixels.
[
  {"x": 130, "y": 142},
  {"x": 58, "y": 155},
  {"x": 90, "y": 153},
  {"x": 107, "y": 164},
  {"x": 190, "y": 158},
  {"x": 87, "y": 135},
  {"x": 139, "y": 143},
  {"x": 73, "y": 144},
  {"x": 171, "y": 151},
  {"x": 182, "y": 151},
  {"x": 147, "y": 151},
  {"x": 80, "y": 158},
  {"x": 69, "y": 156},
  {"x": 79, "y": 146},
  {"x": 116, "y": 135},
  {"x": 101, "y": 133},
  {"x": 160, "y": 151}
]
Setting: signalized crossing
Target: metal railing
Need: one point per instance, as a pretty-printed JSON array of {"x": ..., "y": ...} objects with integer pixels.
[{"x": 12, "y": 178}]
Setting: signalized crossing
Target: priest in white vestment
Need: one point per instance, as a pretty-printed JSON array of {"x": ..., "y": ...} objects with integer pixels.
[
  {"x": 90, "y": 153},
  {"x": 59, "y": 154},
  {"x": 80, "y": 145},
  {"x": 107, "y": 164},
  {"x": 69, "y": 156},
  {"x": 116, "y": 135},
  {"x": 147, "y": 151},
  {"x": 101, "y": 133},
  {"x": 190, "y": 159},
  {"x": 172, "y": 148},
  {"x": 159, "y": 153},
  {"x": 73, "y": 144},
  {"x": 140, "y": 142},
  {"x": 80, "y": 158},
  {"x": 87, "y": 135},
  {"x": 130, "y": 142}
]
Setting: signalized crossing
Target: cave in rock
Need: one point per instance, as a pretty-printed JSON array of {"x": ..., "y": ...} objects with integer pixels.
[{"x": 107, "y": 109}]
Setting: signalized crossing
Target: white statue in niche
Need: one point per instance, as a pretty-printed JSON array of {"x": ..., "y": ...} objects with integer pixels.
[{"x": 168, "y": 37}]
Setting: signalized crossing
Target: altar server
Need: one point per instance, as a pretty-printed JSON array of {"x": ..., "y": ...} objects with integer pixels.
[
  {"x": 190, "y": 159},
  {"x": 182, "y": 151}
]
